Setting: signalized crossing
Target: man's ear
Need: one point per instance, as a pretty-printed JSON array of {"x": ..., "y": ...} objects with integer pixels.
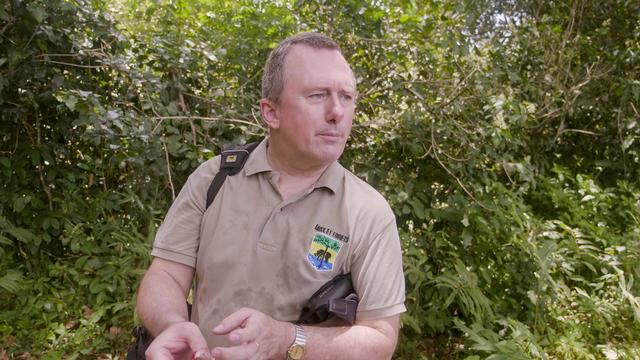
[{"x": 269, "y": 113}]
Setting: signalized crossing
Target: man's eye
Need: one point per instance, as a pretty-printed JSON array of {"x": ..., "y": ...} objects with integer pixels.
[
  {"x": 347, "y": 98},
  {"x": 317, "y": 96}
]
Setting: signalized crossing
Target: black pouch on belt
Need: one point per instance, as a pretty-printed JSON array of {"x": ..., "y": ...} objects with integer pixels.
[{"x": 335, "y": 298}]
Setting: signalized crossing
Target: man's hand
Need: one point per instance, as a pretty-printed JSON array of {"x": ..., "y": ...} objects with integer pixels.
[
  {"x": 254, "y": 336},
  {"x": 180, "y": 341}
]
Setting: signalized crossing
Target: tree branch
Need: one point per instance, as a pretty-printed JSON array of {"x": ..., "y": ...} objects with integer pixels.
[
  {"x": 162, "y": 118},
  {"x": 435, "y": 155},
  {"x": 45, "y": 186},
  {"x": 74, "y": 65},
  {"x": 166, "y": 156}
]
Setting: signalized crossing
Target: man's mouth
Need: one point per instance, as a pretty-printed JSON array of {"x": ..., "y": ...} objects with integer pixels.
[{"x": 330, "y": 134}]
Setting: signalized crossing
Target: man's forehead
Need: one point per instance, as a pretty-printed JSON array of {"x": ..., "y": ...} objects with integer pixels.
[
  {"x": 310, "y": 56},
  {"x": 309, "y": 61}
]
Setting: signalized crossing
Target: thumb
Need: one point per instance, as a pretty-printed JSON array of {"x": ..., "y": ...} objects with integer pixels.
[
  {"x": 196, "y": 341},
  {"x": 179, "y": 340},
  {"x": 202, "y": 355}
]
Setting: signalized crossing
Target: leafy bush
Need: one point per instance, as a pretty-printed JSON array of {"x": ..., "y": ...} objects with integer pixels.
[{"x": 504, "y": 135}]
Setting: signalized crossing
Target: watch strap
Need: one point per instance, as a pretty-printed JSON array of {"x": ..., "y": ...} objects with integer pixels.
[
  {"x": 296, "y": 349},
  {"x": 301, "y": 338}
]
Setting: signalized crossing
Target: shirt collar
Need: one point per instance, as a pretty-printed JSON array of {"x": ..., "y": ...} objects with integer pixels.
[
  {"x": 331, "y": 178},
  {"x": 257, "y": 162}
]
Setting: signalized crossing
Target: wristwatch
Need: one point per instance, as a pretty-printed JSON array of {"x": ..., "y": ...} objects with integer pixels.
[{"x": 296, "y": 350}]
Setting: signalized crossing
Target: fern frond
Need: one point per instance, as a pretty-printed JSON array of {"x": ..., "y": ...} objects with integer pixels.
[{"x": 12, "y": 281}]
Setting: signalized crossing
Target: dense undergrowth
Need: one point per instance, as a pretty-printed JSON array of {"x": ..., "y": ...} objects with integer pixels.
[{"x": 504, "y": 134}]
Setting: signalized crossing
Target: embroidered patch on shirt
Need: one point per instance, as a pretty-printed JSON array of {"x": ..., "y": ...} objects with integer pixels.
[{"x": 323, "y": 251}]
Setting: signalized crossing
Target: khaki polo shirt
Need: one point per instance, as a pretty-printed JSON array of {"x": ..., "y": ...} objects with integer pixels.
[{"x": 252, "y": 249}]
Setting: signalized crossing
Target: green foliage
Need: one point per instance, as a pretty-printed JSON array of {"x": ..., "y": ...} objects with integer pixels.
[{"x": 504, "y": 134}]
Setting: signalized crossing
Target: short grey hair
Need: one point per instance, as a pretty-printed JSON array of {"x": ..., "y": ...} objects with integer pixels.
[{"x": 273, "y": 75}]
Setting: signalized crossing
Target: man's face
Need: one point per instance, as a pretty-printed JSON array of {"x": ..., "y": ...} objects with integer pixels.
[{"x": 316, "y": 107}]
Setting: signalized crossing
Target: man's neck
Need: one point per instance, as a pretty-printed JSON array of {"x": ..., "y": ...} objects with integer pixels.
[{"x": 294, "y": 178}]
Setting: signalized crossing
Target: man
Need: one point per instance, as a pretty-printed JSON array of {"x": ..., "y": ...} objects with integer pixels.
[{"x": 290, "y": 221}]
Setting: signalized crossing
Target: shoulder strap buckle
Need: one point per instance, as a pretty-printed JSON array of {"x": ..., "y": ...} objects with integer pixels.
[{"x": 232, "y": 160}]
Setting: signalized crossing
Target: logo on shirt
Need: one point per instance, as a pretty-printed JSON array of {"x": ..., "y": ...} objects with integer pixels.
[{"x": 324, "y": 249}]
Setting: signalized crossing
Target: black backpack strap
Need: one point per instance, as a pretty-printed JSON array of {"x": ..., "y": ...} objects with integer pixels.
[
  {"x": 232, "y": 161},
  {"x": 143, "y": 339}
]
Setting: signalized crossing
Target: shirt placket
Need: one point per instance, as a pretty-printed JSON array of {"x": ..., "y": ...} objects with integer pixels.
[{"x": 275, "y": 230}]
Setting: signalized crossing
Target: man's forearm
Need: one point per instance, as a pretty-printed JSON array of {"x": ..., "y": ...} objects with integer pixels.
[
  {"x": 353, "y": 343},
  {"x": 253, "y": 333},
  {"x": 162, "y": 298},
  {"x": 374, "y": 339}
]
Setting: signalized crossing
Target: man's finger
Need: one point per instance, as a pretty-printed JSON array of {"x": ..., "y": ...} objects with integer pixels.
[
  {"x": 158, "y": 354},
  {"x": 197, "y": 342},
  {"x": 233, "y": 321},
  {"x": 242, "y": 335},
  {"x": 202, "y": 355},
  {"x": 179, "y": 341}
]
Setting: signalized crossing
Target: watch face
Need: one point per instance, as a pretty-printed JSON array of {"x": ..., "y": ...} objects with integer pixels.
[{"x": 295, "y": 352}]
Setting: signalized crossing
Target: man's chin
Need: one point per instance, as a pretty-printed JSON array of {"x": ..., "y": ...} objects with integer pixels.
[{"x": 329, "y": 154}]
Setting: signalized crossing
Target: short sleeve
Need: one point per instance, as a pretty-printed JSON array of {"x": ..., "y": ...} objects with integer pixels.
[
  {"x": 378, "y": 276},
  {"x": 178, "y": 237}
]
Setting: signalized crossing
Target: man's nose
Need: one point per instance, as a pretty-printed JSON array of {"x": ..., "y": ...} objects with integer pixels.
[{"x": 335, "y": 109}]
